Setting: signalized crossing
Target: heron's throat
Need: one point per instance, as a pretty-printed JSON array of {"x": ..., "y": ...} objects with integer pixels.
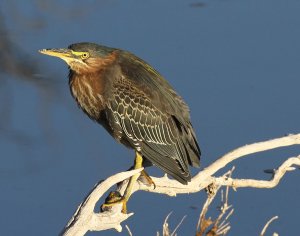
[
  {"x": 79, "y": 67},
  {"x": 87, "y": 90}
]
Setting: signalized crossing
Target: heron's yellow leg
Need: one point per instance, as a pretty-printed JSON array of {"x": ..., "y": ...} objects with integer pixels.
[
  {"x": 137, "y": 164},
  {"x": 113, "y": 199}
]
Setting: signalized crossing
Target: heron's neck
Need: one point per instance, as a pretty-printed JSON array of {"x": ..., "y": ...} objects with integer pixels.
[{"x": 87, "y": 89}]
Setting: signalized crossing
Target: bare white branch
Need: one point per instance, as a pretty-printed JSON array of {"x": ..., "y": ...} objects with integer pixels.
[
  {"x": 86, "y": 219},
  {"x": 278, "y": 174}
]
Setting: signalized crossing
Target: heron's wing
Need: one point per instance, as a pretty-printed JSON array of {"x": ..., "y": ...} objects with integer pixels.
[
  {"x": 151, "y": 82},
  {"x": 157, "y": 135},
  {"x": 163, "y": 97}
]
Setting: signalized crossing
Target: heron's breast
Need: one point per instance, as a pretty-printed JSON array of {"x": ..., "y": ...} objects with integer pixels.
[{"x": 88, "y": 93}]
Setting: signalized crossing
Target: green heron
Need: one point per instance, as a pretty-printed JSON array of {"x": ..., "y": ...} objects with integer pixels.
[{"x": 135, "y": 104}]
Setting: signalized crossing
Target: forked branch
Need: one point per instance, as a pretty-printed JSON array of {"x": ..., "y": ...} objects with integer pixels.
[{"x": 86, "y": 219}]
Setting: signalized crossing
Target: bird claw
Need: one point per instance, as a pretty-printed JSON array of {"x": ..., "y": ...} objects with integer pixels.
[
  {"x": 146, "y": 179},
  {"x": 113, "y": 199}
]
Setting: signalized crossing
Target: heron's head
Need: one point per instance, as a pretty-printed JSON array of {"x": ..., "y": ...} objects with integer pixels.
[{"x": 83, "y": 57}]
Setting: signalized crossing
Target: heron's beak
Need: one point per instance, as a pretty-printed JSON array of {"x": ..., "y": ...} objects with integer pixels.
[{"x": 62, "y": 53}]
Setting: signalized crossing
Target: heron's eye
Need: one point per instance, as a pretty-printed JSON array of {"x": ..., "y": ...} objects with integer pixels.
[{"x": 85, "y": 55}]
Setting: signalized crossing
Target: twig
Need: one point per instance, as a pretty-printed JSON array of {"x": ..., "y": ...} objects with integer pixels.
[
  {"x": 128, "y": 229},
  {"x": 267, "y": 225},
  {"x": 207, "y": 226},
  {"x": 166, "y": 230},
  {"x": 177, "y": 227}
]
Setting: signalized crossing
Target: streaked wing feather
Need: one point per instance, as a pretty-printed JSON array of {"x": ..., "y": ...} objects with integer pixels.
[{"x": 150, "y": 131}]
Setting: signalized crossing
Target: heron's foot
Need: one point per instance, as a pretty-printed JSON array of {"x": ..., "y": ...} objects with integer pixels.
[
  {"x": 114, "y": 198},
  {"x": 146, "y": 179}
]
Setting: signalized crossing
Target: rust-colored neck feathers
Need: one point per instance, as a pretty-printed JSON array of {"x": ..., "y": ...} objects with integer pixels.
[{"x": 87, "y": 84}]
